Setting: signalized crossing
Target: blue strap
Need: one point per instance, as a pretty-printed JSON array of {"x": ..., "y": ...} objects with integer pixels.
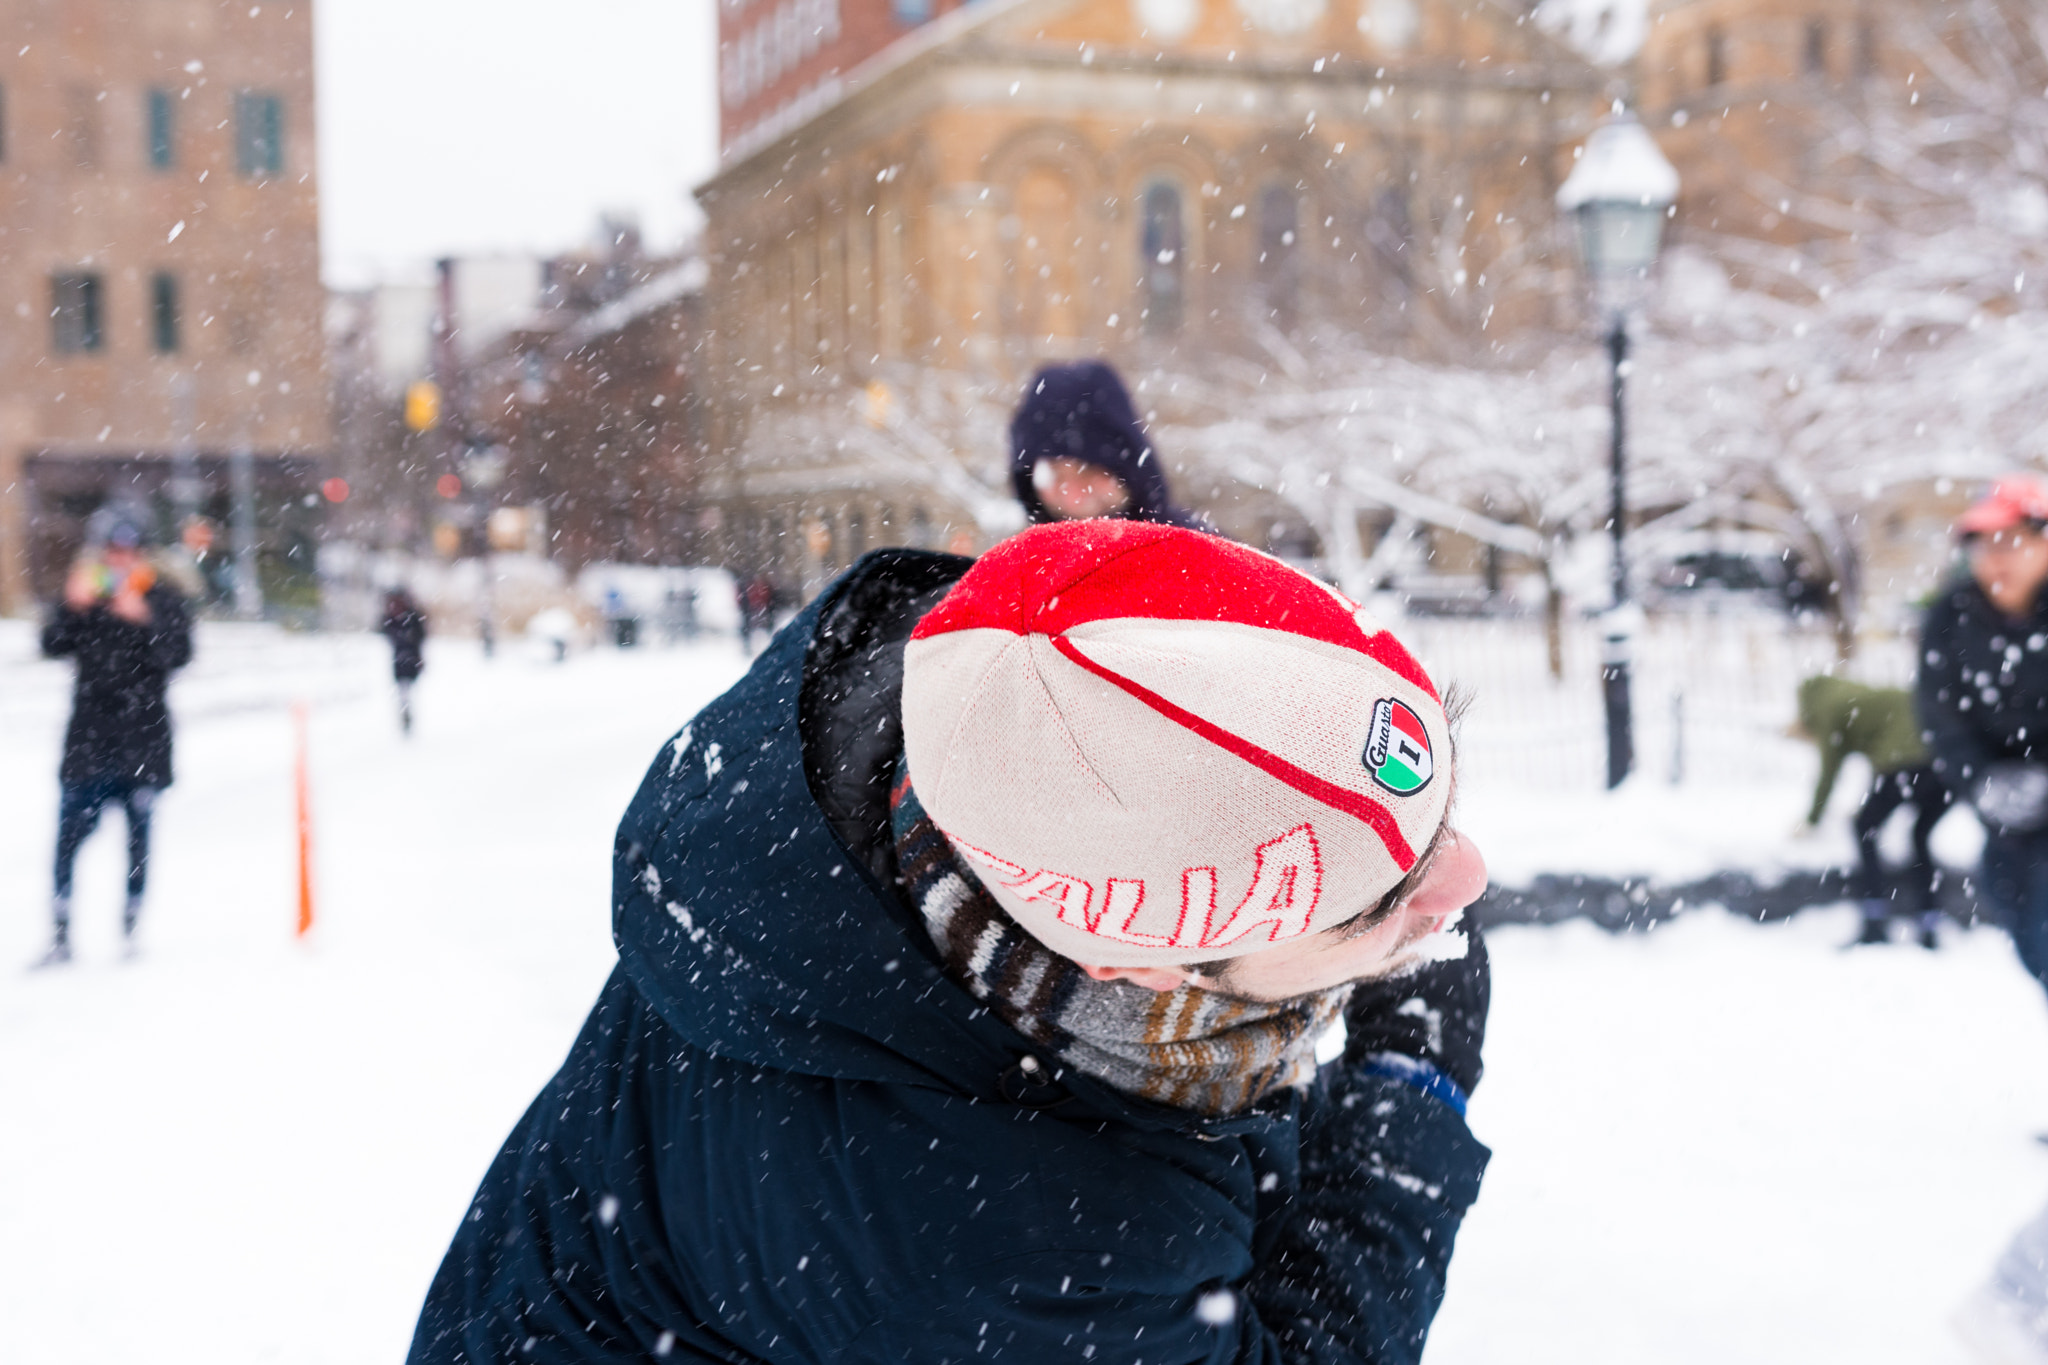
[{"x": 1399, "y": 1066}]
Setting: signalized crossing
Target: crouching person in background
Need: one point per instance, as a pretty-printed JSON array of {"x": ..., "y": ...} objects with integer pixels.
[
  {"x": 975, "y": 955},
  {"x": 1843, "y": 718}
]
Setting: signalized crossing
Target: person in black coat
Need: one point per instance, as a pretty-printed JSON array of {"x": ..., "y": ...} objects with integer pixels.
[
  {"x": 791, "y": 1132},
  {"x": 1078, "y": 450},
  {"x": 1983, "y": 697},
  {"x": 405, "y": 626},
  {"x": 128, "y": 630}
]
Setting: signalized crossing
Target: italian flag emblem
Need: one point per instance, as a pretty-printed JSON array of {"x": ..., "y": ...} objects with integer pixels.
[{"x": 1397, "y": 748}]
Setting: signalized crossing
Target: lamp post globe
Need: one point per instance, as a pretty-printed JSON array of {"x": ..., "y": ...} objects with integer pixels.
[{"x": 1619, "y": 195}]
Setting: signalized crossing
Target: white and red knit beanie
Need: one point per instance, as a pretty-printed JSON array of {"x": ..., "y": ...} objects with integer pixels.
[{"x": 1157, "y": 747}]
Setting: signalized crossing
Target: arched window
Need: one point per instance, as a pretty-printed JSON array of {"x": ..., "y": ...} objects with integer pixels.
[
  {"x": 1163, "y": 253},
  {"x": 1045, "y": 297},
  {"x": 1278, "y": 267}
]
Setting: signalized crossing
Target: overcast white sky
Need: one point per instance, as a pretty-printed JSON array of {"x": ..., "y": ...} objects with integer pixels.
[{"x": 455, "y": 127}]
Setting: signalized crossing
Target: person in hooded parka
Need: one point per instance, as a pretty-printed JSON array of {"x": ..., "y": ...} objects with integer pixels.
[
  {"x": 1043, "y": 959},
  {"x": 1078, "y": 450}
]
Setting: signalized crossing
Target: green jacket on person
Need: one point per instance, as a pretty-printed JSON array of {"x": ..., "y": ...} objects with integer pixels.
[{"x": 1845, "y": 717}]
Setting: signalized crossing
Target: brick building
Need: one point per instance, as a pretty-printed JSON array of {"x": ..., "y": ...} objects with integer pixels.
[
  {"x": 159, "y": 239},
  {"x": 780, "y": 61}
]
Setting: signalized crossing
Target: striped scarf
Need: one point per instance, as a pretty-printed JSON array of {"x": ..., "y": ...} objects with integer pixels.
[{"x": 1188, "y": 1048}]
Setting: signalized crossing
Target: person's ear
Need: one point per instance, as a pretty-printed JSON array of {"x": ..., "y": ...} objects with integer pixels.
[{"x": 1151, "y": 978}]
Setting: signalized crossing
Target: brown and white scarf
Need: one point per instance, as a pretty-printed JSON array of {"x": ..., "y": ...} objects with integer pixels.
[{"x": 1188, "y": 1048}]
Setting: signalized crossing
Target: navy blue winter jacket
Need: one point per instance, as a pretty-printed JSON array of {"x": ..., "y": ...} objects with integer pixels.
[{"x": 784, "y": 1135}]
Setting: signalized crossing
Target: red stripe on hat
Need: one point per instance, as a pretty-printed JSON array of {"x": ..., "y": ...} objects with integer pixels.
[
  {"x": 1377, "y": 817},
  {"x": 1052, "y": 578},
  {"x": 1409, "y": 724}
]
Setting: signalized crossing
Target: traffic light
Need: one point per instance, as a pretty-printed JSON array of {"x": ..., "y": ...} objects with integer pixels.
[{"x": 422, "y": 405}]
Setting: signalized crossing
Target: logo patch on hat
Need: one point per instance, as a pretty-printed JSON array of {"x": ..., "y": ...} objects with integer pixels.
[{"x": 1397, "y": 748}]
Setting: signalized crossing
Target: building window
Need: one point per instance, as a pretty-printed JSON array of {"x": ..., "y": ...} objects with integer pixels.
[
  {"x": 1390, "y": 227},
  {"x": 1866, "y": 48},
  {"x": 1163, "y": 260},
  {"x": 1278, "y": 265},
  {"x": 259, "y": 135},
  {"x": 3, "y": 123},
  {"x": 1717, "y": 57},
  {"x": 162, "y": 115},
  {"x": 163, "y": 311},
  {"x": 1816, "y": 57},
  {"x": 75, "y": 313},
  {"x": 83, "y": 119},
  {"x": 911, "y": 11}
]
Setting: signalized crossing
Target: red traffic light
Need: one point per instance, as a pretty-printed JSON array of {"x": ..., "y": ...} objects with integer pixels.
[
  {"x": 335, "y": 490},
  {"x": 448, "y": 486}
]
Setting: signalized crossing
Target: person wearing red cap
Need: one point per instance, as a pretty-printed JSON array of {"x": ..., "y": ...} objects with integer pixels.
[
  {"x": 1044, "y": 958},
  {"x": 1982, "y": 696}
]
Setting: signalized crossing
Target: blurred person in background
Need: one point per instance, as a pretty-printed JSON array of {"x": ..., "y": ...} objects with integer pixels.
[
  {"x": 128, "y": 630},
  {"x": 757, "y": 609},
  {"x": 1842, "y": 718},
  {"x": 1983, "y": 699},
  {"x": 405, "y": 626},
  {"x": 1077, "y": 450}
]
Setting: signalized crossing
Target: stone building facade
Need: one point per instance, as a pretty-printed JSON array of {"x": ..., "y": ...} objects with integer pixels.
[
  {"x": 1179, "y": 185},
  {"x": 159, "y": 243}
]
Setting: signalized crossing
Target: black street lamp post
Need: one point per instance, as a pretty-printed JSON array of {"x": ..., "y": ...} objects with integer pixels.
[
  {"x": 1614, "y": 658},
  {"x": 1620, "y": 193}
]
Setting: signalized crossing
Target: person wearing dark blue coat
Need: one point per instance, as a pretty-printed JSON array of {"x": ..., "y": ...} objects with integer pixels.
[
  {"x": 1078, "y": 450},
  {"x": 128, "y": 630},
  {"x": 811, "y": 1118}
]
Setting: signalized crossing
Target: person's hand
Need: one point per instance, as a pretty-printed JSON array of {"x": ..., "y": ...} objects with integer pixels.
[
  {"x": 1435, "y": 1014},
  {"x": 82, "y": 587},
  {"x": 2013, "y": 797},
  {"x": 130, "y": 605}
]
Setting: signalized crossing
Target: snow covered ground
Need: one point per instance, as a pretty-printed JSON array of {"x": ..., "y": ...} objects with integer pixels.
[{"x": 1714, "y": 1142}]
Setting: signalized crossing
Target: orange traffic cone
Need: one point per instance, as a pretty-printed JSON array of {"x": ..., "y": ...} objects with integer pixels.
[{"x": 305, "y": 804}]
